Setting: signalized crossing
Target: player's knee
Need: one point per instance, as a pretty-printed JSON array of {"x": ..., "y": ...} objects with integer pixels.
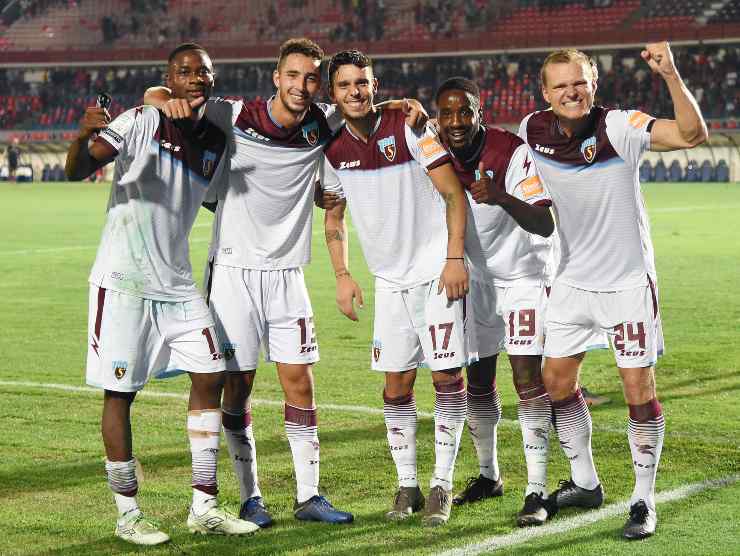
[
  {"x": 398, "y": 385},
  {"x": 482, "y": 373},
  {"x": 446, "y": 378}
]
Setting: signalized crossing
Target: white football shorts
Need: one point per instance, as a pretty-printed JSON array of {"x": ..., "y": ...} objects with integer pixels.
[
  {"x": 133, "y": 339},
  {"x": 580, "y": 320},
  {"x": 267, "y": 309},
  {"x": 509, "y": 318},
  {"x": 419, "y": 326}
]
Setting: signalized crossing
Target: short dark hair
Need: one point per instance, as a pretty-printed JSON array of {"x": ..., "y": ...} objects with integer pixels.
[
  {"x": 183, "y": 47},
  {"x": 353, "y": 57},
  {"x": 459, "y": 84},
  {"x": 299, "y": 46}
]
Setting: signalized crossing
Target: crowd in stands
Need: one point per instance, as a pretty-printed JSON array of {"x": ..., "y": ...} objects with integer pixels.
[{"x": 32, "y": 99}]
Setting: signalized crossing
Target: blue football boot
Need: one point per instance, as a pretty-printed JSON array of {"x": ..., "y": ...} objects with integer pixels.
[
  {"x": 253, "y": 509},
  {"x": 318, "y": 508}
]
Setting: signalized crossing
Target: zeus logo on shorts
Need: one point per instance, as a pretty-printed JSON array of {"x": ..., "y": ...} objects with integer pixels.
[
  {"x": 120, "y": 368},
  {"x": 307, "y": 330}
]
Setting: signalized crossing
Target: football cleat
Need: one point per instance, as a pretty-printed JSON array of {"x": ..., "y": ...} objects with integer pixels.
[
  {"x": 219, "y": 521},
  {"x": 571, "y": 495},
  {"x": 592, "y": 399},
  {"x": 536, "y": 510},
  {"x": 253, "y": 509},
  {"x": 318, "y": 508},
  {"x": 408, "y": 500},
  {"x": 479, "y": 488},
  {"x": 641, "y": 523},
  {"x": 438, "y": 507},
  {"x": 139, "y": 530}
]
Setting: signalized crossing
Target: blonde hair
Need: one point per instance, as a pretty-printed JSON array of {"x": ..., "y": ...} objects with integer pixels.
[{"x": 565, "y": 56}]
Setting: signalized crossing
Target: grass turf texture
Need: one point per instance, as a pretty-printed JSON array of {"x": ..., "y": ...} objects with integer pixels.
[{"x": 52, "y": 483}]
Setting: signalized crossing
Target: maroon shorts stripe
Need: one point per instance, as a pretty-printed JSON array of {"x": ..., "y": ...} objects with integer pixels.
[
  {"x": 99, "y": 314},
  {"x": 209, "y": 338}
]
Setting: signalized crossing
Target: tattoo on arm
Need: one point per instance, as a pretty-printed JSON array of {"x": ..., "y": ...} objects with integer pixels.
[
  {"x": 334, "y": 235},
  {"x": 449, "y": 199}
]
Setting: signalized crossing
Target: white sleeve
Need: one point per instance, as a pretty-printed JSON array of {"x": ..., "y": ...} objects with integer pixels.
[
  {"x": 426, "y": 147},
  {"x": 334, "y": 117},
  {"x": 628, "y": 133},
  {"x": 120, "y": 132},
  {"x": 220, "y": 181},
  {"x": 329, "y": 179},
  {"x": 522, "y": 178},
  {"x": 223, "y": 112},
  {"x": 522, "y": 133}
]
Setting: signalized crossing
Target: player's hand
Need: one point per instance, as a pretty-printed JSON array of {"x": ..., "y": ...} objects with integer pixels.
[
  {"x": 93, "y": 120},
  {"x": 454, "y": 279},
  {"x": 347, "y": 292},
  {"x": 181, "y": 109},
  {"x": 325, "y": 199},
  {"x": 659, "y": 57},
  {"x": 416, "y": 116},
  {"x": 484, "y": 190}
]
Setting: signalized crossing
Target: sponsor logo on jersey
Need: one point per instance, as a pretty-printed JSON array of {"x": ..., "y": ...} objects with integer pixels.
[
  {"x": 532, "y": 186},
  {"x": 544, "y": 150},
  {"x": 112, "y": 134},
  {"x": 489, "y": 173},
  {"x": 209, "y": 162},
  {"x": 119, "y": 369},
  {"x": 377, "y": 346},
  {"x": 638, "y": 119},
  {"x": 430, "y": 146},
  {"x": 346, "y": 165},
  {"x": 387, "y": 146},
  {"x": 255, "y": 135},
  {"x": 588, "y": 149},
  {"x": 311, "y": 133}
]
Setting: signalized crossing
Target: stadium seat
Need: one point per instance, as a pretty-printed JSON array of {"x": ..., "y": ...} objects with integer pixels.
[{"x": 722, "y": 171}]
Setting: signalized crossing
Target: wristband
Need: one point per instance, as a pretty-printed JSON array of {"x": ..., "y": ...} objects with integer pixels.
[{"x": 455, "y": 258}]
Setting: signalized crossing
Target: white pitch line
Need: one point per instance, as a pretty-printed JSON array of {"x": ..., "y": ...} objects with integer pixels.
[
  {"x": 692, "y": 209},
  {"x": 154, "y": 394},
  {"x": 504, "y": 422},
  {"x": 522, "y": 536},
  {"x": 42, "y": 250}
]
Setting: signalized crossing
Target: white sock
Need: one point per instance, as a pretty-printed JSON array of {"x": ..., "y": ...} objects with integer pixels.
[
  {"x": 400, "y": 422},
  {"x": 573, "y": 424},
  {"x": 122, "y": 481},
  {"x": 450, "y": 407},
  {"x": 204, "y": 429},
  {"x": 484, "y": 414},
  {"x": 645, "y": 433},
  {"x": 302, "y": 431},
  {"x": 535, "y": 418},
  {"x": 242, "y": 449}
]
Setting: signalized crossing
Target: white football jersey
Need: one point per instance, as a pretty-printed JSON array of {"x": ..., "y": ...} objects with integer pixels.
[
  {"x": 593, "y": 180},
  {"x": 160, "y": 178},
  {"x": 498, "y": 249},
  {"x": 264, "y": 216},
  {"x": 398, "y": 213}
]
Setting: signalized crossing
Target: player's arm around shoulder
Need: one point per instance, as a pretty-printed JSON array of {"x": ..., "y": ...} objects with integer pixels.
[{"x": 689, "y": 128}]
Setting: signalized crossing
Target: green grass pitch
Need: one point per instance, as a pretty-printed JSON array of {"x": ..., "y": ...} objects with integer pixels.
[{"x": 54, "y": 498}]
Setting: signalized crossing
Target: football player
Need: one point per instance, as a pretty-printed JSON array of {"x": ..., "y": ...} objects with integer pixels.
[
  {"x": 605, "y": 287},
  {"x": 510, "y": 277},
  {"x": 147, "y": 317},
  {"x": 412, "y": 230}
]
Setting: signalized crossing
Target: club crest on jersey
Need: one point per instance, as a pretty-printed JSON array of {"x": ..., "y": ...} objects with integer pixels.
[
  {"x": 387, "y": 146},
  {"x": 588, "y": 149},
  {"x": 120, "y": 368},
  {"x": 489, "y": 173},
  {"x": 229, "y": 350},
  {"x": 311, "y": 133},
  {"x": 377, "y": 346},
  {"x": 209, "y": 162}
]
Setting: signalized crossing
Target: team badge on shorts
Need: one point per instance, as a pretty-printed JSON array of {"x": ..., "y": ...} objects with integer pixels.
[
  {"x": 311, "y": 133},
  {"x": 209, "y": 161},
  {"x": 588, "y": 149},
  {"x": 387, "y": 146},
  {"x": 228, "y": 350},
  {"x": 377, "y": 346},
  {"x": 119, "y": 369}
]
